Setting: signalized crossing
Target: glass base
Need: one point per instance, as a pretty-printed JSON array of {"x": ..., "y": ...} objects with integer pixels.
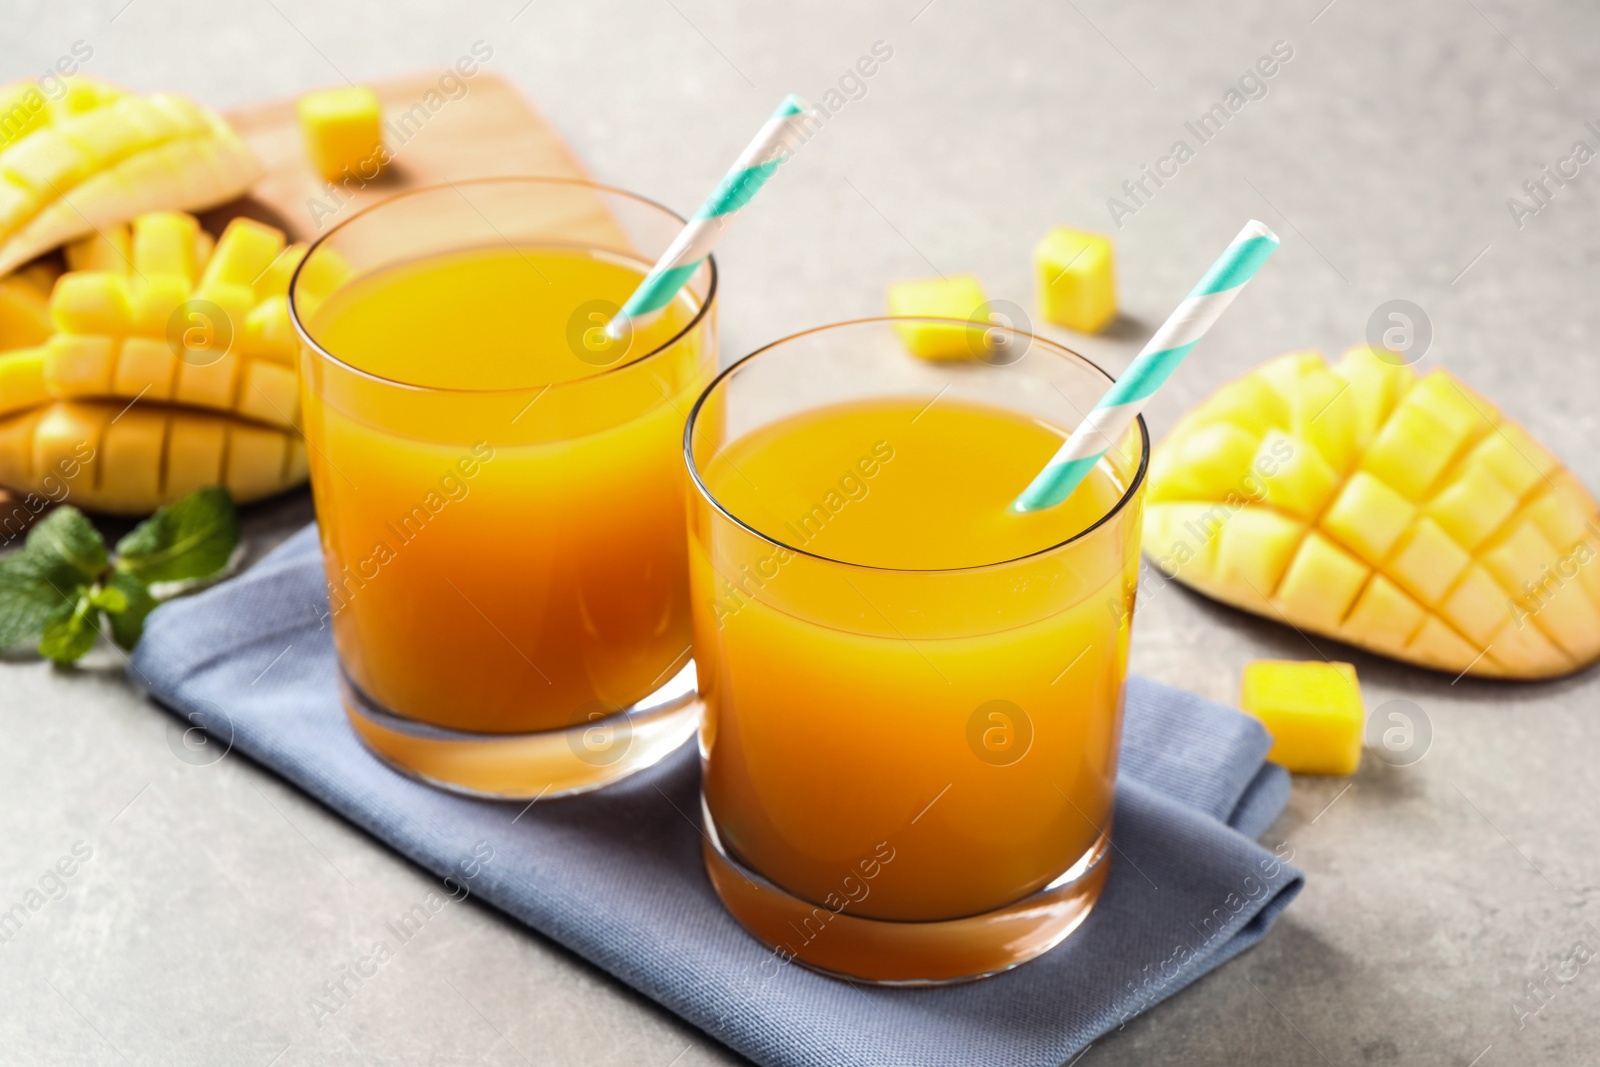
[
  {"x": 893, "y": 953},
  {"x": 550, "y": 763}
]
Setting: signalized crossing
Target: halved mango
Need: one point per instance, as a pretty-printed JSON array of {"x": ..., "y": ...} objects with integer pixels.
[
  {"x": 83, "y": 166},
  {"x": 1405, "y": 515}
]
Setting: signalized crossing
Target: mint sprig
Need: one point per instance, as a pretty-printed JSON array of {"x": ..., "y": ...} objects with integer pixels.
[{"x": 57, "y": 588}]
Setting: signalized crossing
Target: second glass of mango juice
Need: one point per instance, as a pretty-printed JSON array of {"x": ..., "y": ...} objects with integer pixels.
[
  {"x": 497, "y": 483},
  {"x": 913, "y": 695}
]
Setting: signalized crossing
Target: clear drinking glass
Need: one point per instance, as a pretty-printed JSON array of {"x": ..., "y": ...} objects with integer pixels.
[
  {"x": 497, "y": 484},
  {"x": 908, "y": 772}
]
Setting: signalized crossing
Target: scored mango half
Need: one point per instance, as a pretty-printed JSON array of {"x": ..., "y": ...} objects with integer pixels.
[
  {"x": 171, "y": 366},
  {"x": 168, "y": 318},
  {"x": 98, "y": 156},
  {"x": 129, "y": 460},
  {"x": 1402, "y": 514}
]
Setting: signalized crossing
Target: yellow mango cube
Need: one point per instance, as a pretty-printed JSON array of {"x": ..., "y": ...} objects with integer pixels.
[
  {"x": 1257, "y": 545},
  {"x": 165, "y": 243},
  {"x": 256, "y": 455},
  {"x": 268, "y": 333},
  {"x": 108, "y": 249},
  {"x": 1472, "y": 507},
  {"x": 270, "y": 394},
  {"x": 1326, "y": 417},
  {"x": 80, "y": 365},
  {"x": 1313, "y": 711},
  {"x": 1077, "y": 286},
  {"x": 1376, "y": 385},
  {"x": 344, "y": 131},
  {"x": 1449, "y": 400},
  {"x": 22, "y": 380},
  {"x": 1369, "y": 517},
  {"x": 1204, "y": 463},
  {"x": 1514, "y": 458},
  {"x": 1383, "y": 615},
  {"x": 959, "y": 296},
  {"x": 1322, "y": 583},
  {"x": 47, "y": 163},
  {"x": 1250, "y": 404},
  {"x": 1411, "y": 450},
  {"x": 1297, "y": 479},
  {"x": 244, "y": 252},
  {"x": 154, "y": 300},
  {"x": 196, "y": 446},
  {"x": 130, "y": 459},
  {"x": 145, "y": 369},
  {"x": 24, "y": 314},
  {"x": 1427, "y": 562},
  {"x": 274, "y": 281},
  {"x": 91, "y": 302}
]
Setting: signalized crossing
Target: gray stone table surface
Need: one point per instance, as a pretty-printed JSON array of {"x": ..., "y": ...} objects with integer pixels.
[{"x": 1383, "y": 149}]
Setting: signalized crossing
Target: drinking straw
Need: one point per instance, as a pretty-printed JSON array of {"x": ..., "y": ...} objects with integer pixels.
[
  {"x": 1128, "y": 395},
  {"x": 694, "y": 242}
]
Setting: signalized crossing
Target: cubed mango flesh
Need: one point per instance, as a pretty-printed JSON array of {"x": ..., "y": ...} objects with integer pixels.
[
  {"x": 129, "y": 459},
  {"x": 344, "y": 131},
  {"x": 959, "y": 296},
  {"x": 1076, "y": 281},
  {"x": 171, "y": 366},
  {"x": 121, "y": 334},
  {"x": 81, "y": 165},
  {"x": 1410, "y": 517},
  {"x": 1313, "y": 711}
]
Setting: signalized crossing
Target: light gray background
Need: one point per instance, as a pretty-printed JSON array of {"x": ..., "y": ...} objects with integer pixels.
[{"x": 217, "y": 899}]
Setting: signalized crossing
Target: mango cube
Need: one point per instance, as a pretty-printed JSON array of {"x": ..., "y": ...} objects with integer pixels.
[
  {"x": 166, "y": 242},
  {"x": 24, "y": 313},
  {"x": 959, "y": 296},
  {"x": 1076, "y": 286},
  {"x": 1313, "y": 711},
  {"x": 343, "y": 130}
]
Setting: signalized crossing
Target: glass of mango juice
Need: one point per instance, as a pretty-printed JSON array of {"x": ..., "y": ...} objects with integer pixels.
[
  {"x": 913, "y": 695},
  {"x": 497, "y": 484}
]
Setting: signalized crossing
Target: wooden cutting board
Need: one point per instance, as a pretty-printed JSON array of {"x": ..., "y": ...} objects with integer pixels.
[{"x": 489, "y": 130}]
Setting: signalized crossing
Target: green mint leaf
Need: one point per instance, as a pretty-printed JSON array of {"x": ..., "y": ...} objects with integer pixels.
[
  {"x": 108, "y": 598},
  {"x": 190, "y": 538},
  {"x": 70, "y": 631},
  {"x": 70, "y": 544},
  {"x": 29, "y": 592},
  {"x": 127, "y": 623}
]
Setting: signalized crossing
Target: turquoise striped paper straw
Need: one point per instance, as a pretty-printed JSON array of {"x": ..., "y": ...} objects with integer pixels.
[
  {"x": 758, "y": 162},
  {"x": 1128, "y": 395}
]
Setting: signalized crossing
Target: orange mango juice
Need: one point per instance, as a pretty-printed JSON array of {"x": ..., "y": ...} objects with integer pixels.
[
  {"x": 501, "y": 511},
  {"x": 913, "y": 694}
]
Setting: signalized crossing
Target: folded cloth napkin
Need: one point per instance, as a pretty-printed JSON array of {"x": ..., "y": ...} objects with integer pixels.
[{"x": 617, "y": 876}]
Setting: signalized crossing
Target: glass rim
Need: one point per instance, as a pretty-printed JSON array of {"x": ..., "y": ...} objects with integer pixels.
[
  {"x": 1134, "y": 483},
  {"x": 304, "y": 333}
]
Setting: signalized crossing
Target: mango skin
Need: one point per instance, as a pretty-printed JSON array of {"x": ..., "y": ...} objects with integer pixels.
[{"x": 1401, "y": 514}]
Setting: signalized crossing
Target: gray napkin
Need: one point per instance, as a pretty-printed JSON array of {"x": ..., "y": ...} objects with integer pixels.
[{"x": 616, "y": 876}]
